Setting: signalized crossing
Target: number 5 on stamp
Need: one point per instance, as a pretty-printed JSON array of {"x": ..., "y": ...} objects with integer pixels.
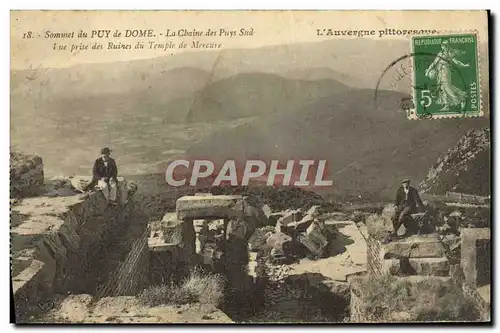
[{"x": 446, "y": 76}]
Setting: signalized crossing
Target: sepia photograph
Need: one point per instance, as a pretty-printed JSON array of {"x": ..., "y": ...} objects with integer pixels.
[{"x": 250, "y": 167}]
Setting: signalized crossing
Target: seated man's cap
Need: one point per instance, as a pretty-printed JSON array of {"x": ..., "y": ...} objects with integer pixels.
[
  {"x": 405, "y": 181},
  {"x": 105, "y": 150}
]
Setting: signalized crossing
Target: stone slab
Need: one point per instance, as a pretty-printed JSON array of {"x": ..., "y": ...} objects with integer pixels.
[
  {"x": 314, "y": 239},
  {"x": 277, "y": 240},
  {"x": 27, "y": 276},
  {"x": 220, "y": 206},
  {"x": 301, "y": 225},
  {"x": 290, "y": 216},
  {"x": 427, "y": 246},
  {"x": 419, "y": 266}
]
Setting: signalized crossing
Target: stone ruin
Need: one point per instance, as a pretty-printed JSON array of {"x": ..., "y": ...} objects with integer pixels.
[
  {"x": 297, "y": 233},
  {"x": 475, "y": 263},
  {"x": 57, "y": 232},
  {"x": 212, "y": 230},
  {"x": 433, "y": 256}
]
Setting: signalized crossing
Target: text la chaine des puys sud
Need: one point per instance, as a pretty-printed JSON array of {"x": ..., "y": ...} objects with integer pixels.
[{"x": 148, "y": 33}]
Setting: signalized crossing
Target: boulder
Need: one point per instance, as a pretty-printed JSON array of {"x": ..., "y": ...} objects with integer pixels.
[
  {"x": 314, "y": 238},
  {"x": 267, "y": 210},
  {"x": 290, "y": 216},
  {"x": 26, "y": 174},
  {"x": 299, "y": 226},
  {"x": 277, "y": 240}
]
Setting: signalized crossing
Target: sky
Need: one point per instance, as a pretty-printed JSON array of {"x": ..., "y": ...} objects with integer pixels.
[{"x": 269, "y": 28}]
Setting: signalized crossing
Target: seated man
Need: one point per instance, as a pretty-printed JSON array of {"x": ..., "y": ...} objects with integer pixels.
[
  {"x": 407, "y": 201},
  {"x": 104, "y": 174}
]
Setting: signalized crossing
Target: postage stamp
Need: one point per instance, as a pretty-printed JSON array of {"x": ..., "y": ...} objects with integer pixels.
[{"x": 448, "y": 84}]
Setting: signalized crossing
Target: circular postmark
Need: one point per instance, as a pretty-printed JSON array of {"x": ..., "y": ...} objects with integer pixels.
[{"x": 397, "y": 88}]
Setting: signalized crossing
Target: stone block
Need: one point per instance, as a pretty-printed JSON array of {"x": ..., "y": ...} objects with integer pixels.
[
  {"x": 300, "y": 226},
  {"x": 277, "y": 240},
  {"x": 313, "y": 211},
  {"x": 290, "y": 216},
  {"x": 417, "y": 266},
  {"x": 314, "y": 239},
  {"x": 238, "y": 228},
  {"x": 476, "y": 256},
  {"x": 267, "y": 210},
  {"x": 220, "y": 206},
  {"x": 426, "y": 246}
]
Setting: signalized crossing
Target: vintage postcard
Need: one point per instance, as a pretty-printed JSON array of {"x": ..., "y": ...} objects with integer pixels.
[{"x": 250, "y": 167}]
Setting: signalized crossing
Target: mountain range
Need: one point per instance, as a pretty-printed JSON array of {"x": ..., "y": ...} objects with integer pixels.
[{"x": 314, "y": 100}]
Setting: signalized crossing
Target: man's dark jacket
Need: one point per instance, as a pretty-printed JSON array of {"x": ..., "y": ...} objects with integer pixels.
[
  {"x": 413, "y": 198},
  {"x": 100, "y": 171}
]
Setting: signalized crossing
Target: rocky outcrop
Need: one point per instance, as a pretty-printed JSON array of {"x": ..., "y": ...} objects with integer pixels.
[
  {"x": 55, "y": 239},
  {"x": 464, "y": 168},
  {"x": 26, "y": 174}
]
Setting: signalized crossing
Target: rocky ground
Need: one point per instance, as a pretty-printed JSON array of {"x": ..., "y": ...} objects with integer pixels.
[{"x": 127, "y": 310}]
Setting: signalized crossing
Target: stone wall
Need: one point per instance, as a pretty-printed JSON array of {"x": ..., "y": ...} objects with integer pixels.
[
  {"x": 476, "y": 256},
  {"x": 130, "y": 277},
  {"x": 26, "y": 175},
  {"x": 374, "y": 258},
  {"x": 475, "y": 262},
  {"x": 414, "y": 255},
  {"x": 54, "y": 241}
]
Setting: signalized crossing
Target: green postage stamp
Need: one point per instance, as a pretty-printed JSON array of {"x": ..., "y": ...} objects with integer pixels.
[{"x": 446, "y": 76}]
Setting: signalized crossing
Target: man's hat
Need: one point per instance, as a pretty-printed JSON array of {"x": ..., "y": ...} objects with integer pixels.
[
  {"x": 105, "y": 150},
  {"x": 405, "y": 181}
]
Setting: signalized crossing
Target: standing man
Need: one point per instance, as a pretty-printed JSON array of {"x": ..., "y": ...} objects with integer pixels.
[
  {"x": 104, "y": 174},
  {"x": 407, "y": 201}
]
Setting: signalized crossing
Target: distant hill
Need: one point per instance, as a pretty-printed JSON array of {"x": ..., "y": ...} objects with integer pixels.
[
  {"x": 366, "y": 149},
  {"x": 85, "y": 81},
  {"x": 251, "y": 94},
  {"x": 357, "y": 63},
  {"x": 347, "y": 56},
  {"x": 301, "y": 95},
  {"x": 319, "y": 73}
]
